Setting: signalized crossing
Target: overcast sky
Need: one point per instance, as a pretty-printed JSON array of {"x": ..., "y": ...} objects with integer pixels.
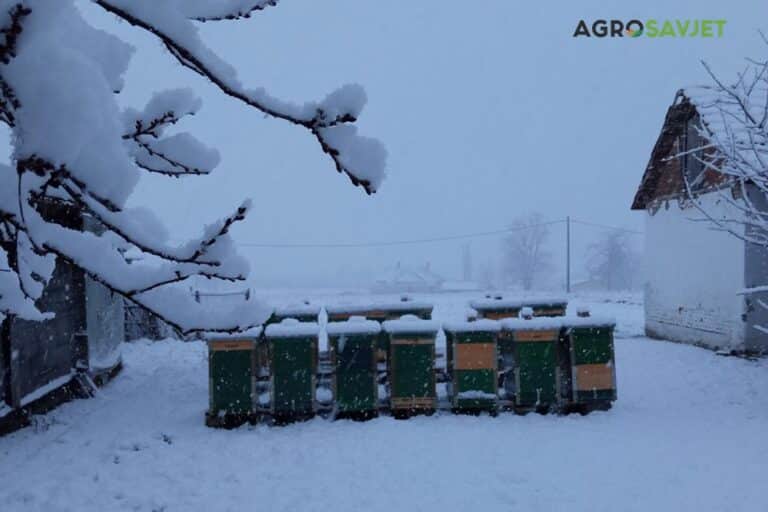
[{"x": 488, "y": 109}]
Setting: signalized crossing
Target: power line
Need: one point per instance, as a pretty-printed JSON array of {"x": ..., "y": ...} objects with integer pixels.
[
  {"x": 605, "y": 226},
  {"x": 398, "y": 242},
  {"x": 416, "y": 241}
]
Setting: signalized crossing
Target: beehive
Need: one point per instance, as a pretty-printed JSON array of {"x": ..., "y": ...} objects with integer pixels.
[
  {"x": 534, "y": 346},
  {"x": 471, "y": 357},
  {"x": 411, "y": 364},
  {"x": 231, "y": 375},
  {"x": 352, "y": 347},
  {"x": 593, "y": 364},
  {"x": 293, "y": 349}
]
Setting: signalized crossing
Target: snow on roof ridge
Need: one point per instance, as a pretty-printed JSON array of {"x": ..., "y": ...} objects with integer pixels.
[
  {"x": 501, "y": 302},
  {"x": 474, "y": 326},
  {"x": 411, "y": 323},
  {"x": 542, "y": 323},
  {"x": 538, "y": 323},
  {"x": 355, "y": 325},
  {"x": 596, "y": 321},
  {"x": 298, "y": 309},
  {"x": 292, "y": 328},
  {"x": 372, "y": 306},
  {"x": 715, "y": 107},
  {"x": 253, "y": 332}
]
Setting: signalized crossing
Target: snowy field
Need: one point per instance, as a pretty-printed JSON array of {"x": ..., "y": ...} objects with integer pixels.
[{"x": 689, "y": 432}]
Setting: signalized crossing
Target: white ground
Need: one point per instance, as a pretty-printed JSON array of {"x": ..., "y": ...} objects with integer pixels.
[{"x": 689, "y": 432}]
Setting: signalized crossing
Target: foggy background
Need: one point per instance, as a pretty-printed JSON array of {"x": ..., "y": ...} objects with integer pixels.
[{"x": 489, "y": 110}]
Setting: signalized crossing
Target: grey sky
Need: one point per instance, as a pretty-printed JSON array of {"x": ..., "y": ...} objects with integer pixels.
[{"x": 487, "y": 111}]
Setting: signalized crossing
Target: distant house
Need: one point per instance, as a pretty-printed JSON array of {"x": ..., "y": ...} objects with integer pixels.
[
  {"x": 695, "y": 274},
  {"x": 405, "y": 279}
]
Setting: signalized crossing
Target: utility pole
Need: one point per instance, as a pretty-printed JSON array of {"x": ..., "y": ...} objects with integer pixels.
[{"x": 568, "y": 254}]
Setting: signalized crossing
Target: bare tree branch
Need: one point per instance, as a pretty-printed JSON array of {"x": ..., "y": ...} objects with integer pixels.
[{"x": 188, "y": 59}]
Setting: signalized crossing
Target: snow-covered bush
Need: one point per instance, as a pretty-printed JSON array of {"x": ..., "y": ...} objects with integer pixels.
[{"x": 74, "y": 147}]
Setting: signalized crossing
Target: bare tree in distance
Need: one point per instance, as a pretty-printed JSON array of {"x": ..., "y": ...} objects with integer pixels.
[
  {"x": 612, "y": 262},
  {"x": 524, "y": 253}
]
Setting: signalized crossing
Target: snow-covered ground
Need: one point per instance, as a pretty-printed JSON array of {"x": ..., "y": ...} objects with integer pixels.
[{"x": 688, "y": 433}]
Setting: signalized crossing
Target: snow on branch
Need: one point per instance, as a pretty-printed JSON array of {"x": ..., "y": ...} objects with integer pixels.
[
  {"x": 733, "y": 132},
  {"x": 204, "y": 10},
  {"x": 175, "y": 155},
  {"x": 77, "y": 157},
  {"x": 10, "y": 32},
  {"x": 362, "y": 159}
]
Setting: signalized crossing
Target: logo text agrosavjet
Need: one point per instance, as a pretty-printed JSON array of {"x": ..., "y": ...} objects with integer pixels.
[{"x": 651, "y": 28}]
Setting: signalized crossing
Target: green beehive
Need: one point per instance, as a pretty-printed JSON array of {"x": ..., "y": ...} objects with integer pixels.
[
  {"x": 471, "y": 357},
  {"x": 352, "y": 347},
  {"x": 411, "y": 365},
  {"x": 231, "y": 377},
  {"x": 293, "y": 375},
  {"x": 592, "y": 358},
  {"x": 534, "y": 345}
]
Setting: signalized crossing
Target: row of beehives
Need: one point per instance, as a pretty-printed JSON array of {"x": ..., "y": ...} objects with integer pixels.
[
  {"x": 491, "y": 307},
  {"x": 520, "y": 364}
]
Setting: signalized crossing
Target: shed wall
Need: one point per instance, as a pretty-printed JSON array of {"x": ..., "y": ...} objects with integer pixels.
[
  {"x": 756, "y": 275},
  {"x": 694, "y": 276},
  {"x": 42, "y": 352}
]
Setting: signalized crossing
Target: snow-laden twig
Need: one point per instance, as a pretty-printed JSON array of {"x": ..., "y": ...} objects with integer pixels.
[{"x": 363, "y": 160}]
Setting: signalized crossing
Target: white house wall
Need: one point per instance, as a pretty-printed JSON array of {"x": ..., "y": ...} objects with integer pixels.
[{"x": 694, "y": 276}]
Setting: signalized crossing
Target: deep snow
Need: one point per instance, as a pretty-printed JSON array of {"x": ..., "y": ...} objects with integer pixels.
[{"x": 687, "y": 433}]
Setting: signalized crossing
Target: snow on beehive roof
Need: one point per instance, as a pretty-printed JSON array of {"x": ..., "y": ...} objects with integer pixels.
[
  {"x": 298, "y": 309},
  {"x": 482, "y": 325},
  {"x": 253, "y": 332},
  {"x": 292, "y": 328},
  {"x": 403, "y": 305},
  {"x": 504, "y": 303},
  {"x": 590, "y": 321},
  {"x": 534, "y": 324},
  {"x": 470, "y": 313},
  {"x": 411, "y": 323},
  {"x": 542, "y": 323},
  {"x": 355, "y": 325}
]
